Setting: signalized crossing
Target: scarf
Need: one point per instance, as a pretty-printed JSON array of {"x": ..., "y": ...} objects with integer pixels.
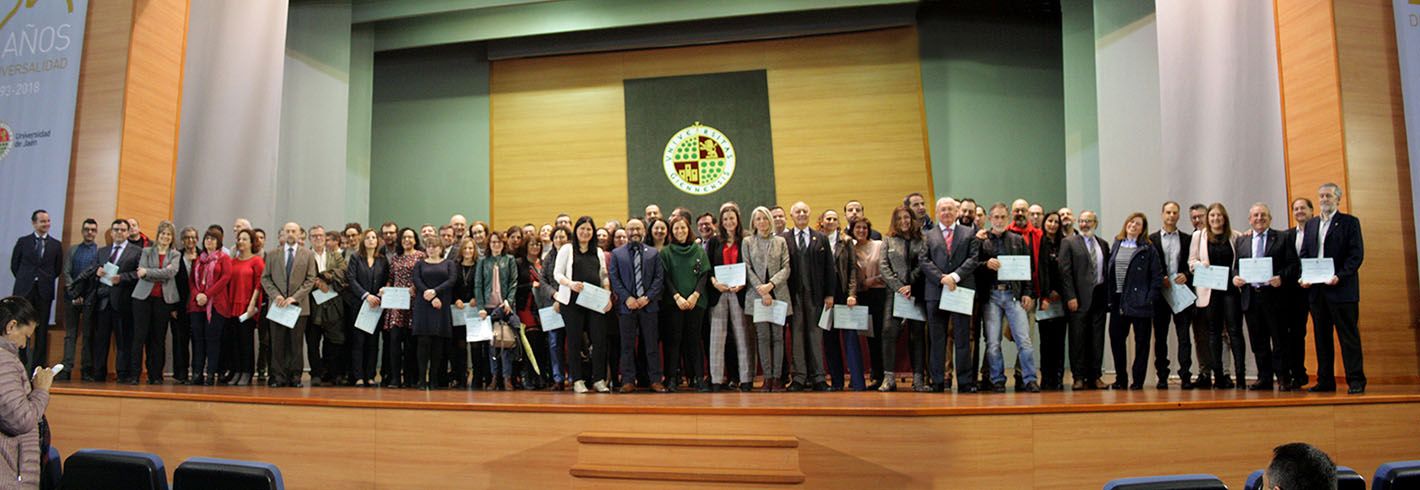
[{"x": 203, "y": 270}]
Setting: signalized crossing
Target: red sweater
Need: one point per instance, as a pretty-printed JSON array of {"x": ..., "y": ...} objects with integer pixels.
[{"x": 245, "y": 279}]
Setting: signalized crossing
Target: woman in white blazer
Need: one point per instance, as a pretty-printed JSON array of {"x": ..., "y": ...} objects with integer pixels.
[
  {"x": 1214, "y": 245},
  {"x": 579, "y": 264}
]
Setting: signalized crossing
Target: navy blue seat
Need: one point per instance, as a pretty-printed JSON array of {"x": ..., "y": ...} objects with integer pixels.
[
  {"x": 1173, "y": 482},
  {"x": 227, "y": 474},
  {"x": 102, "y": 468},
  {"x": 1396, "y": 476},
  {"x": 53, "y": 470},
  {"x": 1346, "y": 479}
]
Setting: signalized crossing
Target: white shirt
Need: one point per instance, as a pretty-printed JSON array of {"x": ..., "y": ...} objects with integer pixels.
[
  {"x": 1321, "y": 233},
  {"x": 320, "y": 261},
  {"x": 1170, "y": 243},
  {"x": 121, "y": 245},
  {"x": 1301, "y": 238}
]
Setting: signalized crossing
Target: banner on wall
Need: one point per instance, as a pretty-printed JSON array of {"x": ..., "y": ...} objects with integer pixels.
[
  {"x": 1407, "y": 33},
  {"x": 699, "y": 141},
  {"x": 42, "y": 48}
]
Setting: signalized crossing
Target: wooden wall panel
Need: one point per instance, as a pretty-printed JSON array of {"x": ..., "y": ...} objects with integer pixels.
[
  {"x": 845, "y": 112},
  {"x": 151, "y": 110},
  {"x": 1378, "y": 170},
  {"x": 98, "y": 119},
  {"x": 345, "y": 447},
  {"x": 1311, "y": 97}
]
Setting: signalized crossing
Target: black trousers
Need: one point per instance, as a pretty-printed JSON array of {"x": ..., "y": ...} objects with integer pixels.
[
  {"x": 327, "y": 359},
  {"x": 109, "y": 330},
  {"x": 286, "y": 362},
  {"x": 1225, "y": 313},
  {"x": 681, "y": 338},
  {"x": 429, "y": 354},
  {"x": 1293, "y": 322},
  {"x": 456, "y": 351},
  {"x": 581, "y": 321},
  {"x": 241, "y": 349},
  {"x": 182, "y": 341},
  {"x": 1264, "y": 329},
  {"x": 364, "y": 354},
  {"x": 875, "y": 299},
  {"x": 938, "y": 321},
  {"x": 1342, "y": 318},
  {"x": 1119, "y": 328},
  {"x": 150, "y": 323},
  {"x": 640, "y": 324},
  {"x": 1163, "y": 314},
  {"x": 1087, "y": 337},
  {"x": 1052, "y": 351},
  {"x": 206, "y": 343},
  {"x": 36, "y": 353}
]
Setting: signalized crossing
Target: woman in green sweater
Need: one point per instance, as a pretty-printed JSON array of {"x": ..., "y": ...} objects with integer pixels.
[{"x": 687, "y": 267}]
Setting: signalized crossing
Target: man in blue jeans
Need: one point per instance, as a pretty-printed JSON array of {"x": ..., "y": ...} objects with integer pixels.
[{"x": 1006, "y": 297}]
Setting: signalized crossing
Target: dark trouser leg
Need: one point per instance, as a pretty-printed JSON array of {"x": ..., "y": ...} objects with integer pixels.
[
  {"x": 396, "y": 346},
  {"x": 182, "y": 342},
  {"x": 123, "y": 345},
  {"x": 670, "y": 321},
  {"x": 1260, "y": 329},
  {"x": 263, "y": 350},
  {"x": 155, "y": 340},
  {"x": 36, "y": 353},
  {"x": 874, "y": 299},
  {"x": 917, "y": 345},
  {"x": 457, "y": 350},
  {"x": 938, "y": 321},
  {"x": 1294, "y": 322},
  {"x": 1079, "y": 333},
  {"x": 424, "y": 353},
  {"x": 1052, "y": 351},
  {"x": 960, "y": 326},
  {"x": 1345, "y": 316},
  {"x": 313, "y": 337},
  {"x": 1232, "y": 307},
  {"x": 74, "y": 321},
  {"x": 1142, "y": 333},
  {"x": 1098, "y": 309},
  {"x": 88, "y": 324},
  {"x": 853, "y": 353},
  {"x": 690, "y": 335},
  {"x": 1161, "y": 320},
  {"x": 833, "y": 355},
  {"x": 105, "y": 327},
  {"x": 1118, "y": 335},
  {"x": 1202, "y": 342},
  {"x": 577, "y": 323}
]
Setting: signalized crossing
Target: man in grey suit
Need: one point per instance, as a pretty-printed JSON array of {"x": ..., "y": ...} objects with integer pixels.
[
  {"x": 1082, "y": 260},
  {"x": 812, "y": 281},
  {"x": 949, "y": 261},
  {"x": 289, "y": 276}
]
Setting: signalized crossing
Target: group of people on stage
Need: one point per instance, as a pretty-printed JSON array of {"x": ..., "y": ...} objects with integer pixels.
[{"x": 682, "y": 302}]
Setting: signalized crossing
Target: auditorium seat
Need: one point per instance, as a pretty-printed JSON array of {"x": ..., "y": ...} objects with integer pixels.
[
  {"x": 1346, "y": 479},
  {"x": 102, "y": 468},
  {"x": 226, "y": 474},
  {"x": 1397, "y": 476},
  {"x": 1173, "y": 482},
  {"x": 54, "y": 470}
]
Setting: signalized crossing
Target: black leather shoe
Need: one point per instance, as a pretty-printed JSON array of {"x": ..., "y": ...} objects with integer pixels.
[
  {"x": 271, "y": 383},
  {"x": 1203, "y": 383},
  {"x": 1033, "y": 387},
  {"x": 1139, "y": 386},
  {"x": 1322, "y": 389},
  {"x": 1161, "y": 385},
  {"x": 1186, "y": 384},
  {"x": 1356, "y": 390},
  {"x": 936, "y": 388},
  {"x": 999, "y": 387},
  {"x": 967, "y": 389},
  {"x": 834, "y": 388},
  {"x": 821, "y": 386},
  {"x": 1260, "y": 386},
  {"x": 1118, "y": 385},
  {"x": 1224, "y": 384},
  {"x": 794, "y": 387}
]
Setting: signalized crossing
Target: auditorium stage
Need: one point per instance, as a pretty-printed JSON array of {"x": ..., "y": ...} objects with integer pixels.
[{"x": 341, "y": 437}]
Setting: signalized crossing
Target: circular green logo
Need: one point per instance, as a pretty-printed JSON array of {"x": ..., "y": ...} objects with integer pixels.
[{"x": 699, "y": 160}]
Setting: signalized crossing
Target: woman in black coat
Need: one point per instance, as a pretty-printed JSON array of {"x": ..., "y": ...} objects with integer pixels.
[
  {"x": 1132, "y": 275},
  {"x": 366, "y": 273}
]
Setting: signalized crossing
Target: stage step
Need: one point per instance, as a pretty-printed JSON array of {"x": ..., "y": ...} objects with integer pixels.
[{"x": 720, "y": 459}]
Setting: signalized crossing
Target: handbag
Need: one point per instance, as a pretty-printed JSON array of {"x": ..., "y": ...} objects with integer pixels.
[{"x": 503, "y": 336}]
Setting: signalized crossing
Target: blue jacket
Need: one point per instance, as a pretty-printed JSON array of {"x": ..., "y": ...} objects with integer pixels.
[
  {"x": 1141, "y": 283},
  {"x": 623, "y": 276}
]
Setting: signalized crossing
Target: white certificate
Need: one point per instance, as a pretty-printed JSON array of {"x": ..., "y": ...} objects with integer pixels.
[
  {"x": 1014, "y": 268},
  {"x": 1318, "y": 271},
  {"x": 907, "y": 309},
  {"x": 775, "y": 313},
  {"x": 321, "y": 296},
  {"x": 594, "y": 298},
  {"x": 731, "y": 275},
  {"x": 479, "y": 330},
  {"x": 1213, "y": 277},
  {"x": 825, "y": 319},
  {"x": 1056, "y": 310},
  {"x": 550, "y": 318},
  {"x": 394, "y": 298},
  {"x": 460, "y": 315},
  {"x": 1254, "y": 271},
  {"x": 1180, "y": 297},
  {"x": 960, "y": 301},
  {"x": 284, "y": 316},
  {"x": 110, "y": 274},
  {"x": 368, "y": 318},
  {"x": 850, "y": 317}
]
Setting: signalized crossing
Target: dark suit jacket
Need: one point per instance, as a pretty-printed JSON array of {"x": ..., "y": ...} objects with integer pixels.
[
  {"x": 1294, "y": 291},
  {"x": 1185, "y": 241},
  {"x": 1077, "y": 272},
  {"x": 119, "y": 298},
  {"x": 811, "y": 273},
  {"x": 935, "y": 262},
  {"x": 1344, "y": 246},
  {"x": 362, "y": 278},
  {"x": 623, "y": 277},
  {"x": 1284, "y": 265},
  {"x": 31, "y": 270}
]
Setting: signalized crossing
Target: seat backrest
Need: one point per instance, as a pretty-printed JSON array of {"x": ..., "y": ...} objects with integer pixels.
[
  {"x": 1172, "y": 482},
  {"x": 1254, "y": 481},
  {"x": 53, "y": 470},
  {"x": 1397, "y": 475},
  {"x": 227, "y": 474},
  {"x": 1349, "y": 479},
  {"x": 102, "y": 468}
]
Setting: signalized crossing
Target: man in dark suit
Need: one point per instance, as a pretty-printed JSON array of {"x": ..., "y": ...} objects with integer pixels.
[
  {"x": 918, "y": 205},
  {"x": 948, "y": 262},
  {"x": 113, "y": 305},
  {"x": 636, "y": 276},
  {"x": 812, "y": 281},
  {"x": 852, "y": 212},
  {"x": 36, "y": 263},
  {"x": 1171, "y": 245},
  {"x": 1334, "y": 303},
  {"x": 1261, "y": 301},
  {"x": 1082, "y": 260},
  {"x": 289, "y": 276},
  {"x": 1295, "y": 304}
]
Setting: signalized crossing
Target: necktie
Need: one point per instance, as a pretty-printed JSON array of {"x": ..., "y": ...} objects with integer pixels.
[
  {"x": 947, "y": 237},
  {"x": 1090, "y": 244},
  {"x": 290, "y": 258},
  {"x": 636, "y": 270},
  {"x": 39, "y": 246},
  {"x": 497, "y": 297},
  {"x": 113, "y": 257},
  {"x": 803, "y": 240},
  {"x": 1258, "y": 247}
]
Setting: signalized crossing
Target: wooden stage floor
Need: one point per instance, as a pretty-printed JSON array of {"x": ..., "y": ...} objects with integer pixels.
[{"x": 337, "y": 437}]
